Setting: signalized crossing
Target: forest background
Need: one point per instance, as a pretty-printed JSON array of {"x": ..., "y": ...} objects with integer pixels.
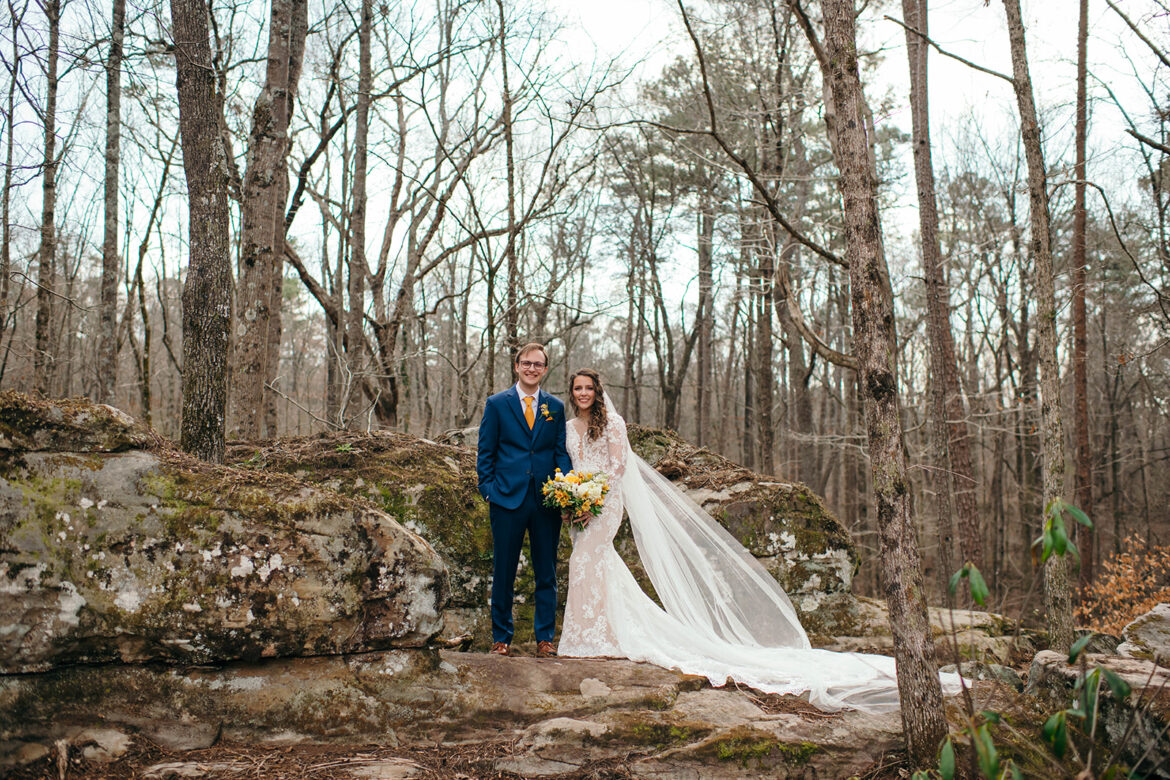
[{"x": 411, "y": 189}]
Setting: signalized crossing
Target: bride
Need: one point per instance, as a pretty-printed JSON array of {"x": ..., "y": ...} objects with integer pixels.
[{"x": 722, "y": 616}]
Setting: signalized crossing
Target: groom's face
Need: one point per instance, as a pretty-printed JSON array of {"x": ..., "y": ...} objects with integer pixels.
[{"x": 531, "y": 367}]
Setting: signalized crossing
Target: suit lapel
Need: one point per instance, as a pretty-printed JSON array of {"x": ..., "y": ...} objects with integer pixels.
[{"x": 536, "y": 428}]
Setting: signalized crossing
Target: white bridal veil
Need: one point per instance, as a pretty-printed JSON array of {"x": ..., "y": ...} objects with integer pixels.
[{"x": 725, "y": 616}]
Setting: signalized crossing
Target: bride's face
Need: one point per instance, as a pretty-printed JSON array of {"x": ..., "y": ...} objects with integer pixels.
[{"x": 583, "y": 393}]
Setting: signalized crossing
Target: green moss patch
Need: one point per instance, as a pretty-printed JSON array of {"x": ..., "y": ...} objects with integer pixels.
[
  {"x": 657, "y": 732},
  {"x": 755, "y": 748},
  {"x": 30, "y": 424}
]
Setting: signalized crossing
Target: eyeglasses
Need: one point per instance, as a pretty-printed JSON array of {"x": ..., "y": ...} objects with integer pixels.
[{"x": 530, "y": 364}]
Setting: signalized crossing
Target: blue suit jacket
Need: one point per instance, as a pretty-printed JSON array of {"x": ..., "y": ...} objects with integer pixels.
[{"x": 510, "y": 455}]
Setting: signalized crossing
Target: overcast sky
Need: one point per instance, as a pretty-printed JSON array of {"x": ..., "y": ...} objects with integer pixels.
[{"x": 650, "y": 30}]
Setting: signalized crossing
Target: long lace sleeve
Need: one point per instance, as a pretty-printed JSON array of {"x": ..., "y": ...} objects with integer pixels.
[{"x": 616, "y": 447}]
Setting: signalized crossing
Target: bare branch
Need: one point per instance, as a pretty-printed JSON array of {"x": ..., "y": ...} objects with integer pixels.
[
  {"x": 1148, "y": 141},
  {"x": 1141, "y": 36},
  {"x": 946, "y": 53},
  {"x": 769, "y": 201}
]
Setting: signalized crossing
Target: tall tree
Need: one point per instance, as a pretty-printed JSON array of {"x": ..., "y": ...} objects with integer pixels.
[
  {"x": 357, "y": 268},
  {"x": 44, "y": 354},
  {"x": 16, "y": 17},
  {"x": 874, "y": 340},
  {"x": 107, "y": 362},
  {"x": 512, "y": 306},
  {"x": 207, "y": 302},
  {"x": 1083, "y": 481},
  {"x": 705, "y": 316},
  {"x": 956, "y": 478},
  {"x": 261, "y": 266},
  {"x": 1057, "y": 593}
]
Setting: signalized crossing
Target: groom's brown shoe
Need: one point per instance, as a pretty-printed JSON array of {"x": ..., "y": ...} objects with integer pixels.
[
  {"x": 545, "y": 650},
  {"x": 499, "y": 648}
]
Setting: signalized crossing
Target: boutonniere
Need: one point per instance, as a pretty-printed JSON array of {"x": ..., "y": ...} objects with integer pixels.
[{"x": 545, "y": 413}]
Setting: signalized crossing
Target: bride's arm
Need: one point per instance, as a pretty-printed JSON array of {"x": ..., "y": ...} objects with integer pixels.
[{"x": 616, "y": 447}]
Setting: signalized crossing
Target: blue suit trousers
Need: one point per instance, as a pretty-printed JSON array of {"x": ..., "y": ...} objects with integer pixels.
[{"x": 543, "y": 527}]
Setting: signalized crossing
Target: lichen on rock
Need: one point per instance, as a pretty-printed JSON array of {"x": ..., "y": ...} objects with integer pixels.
[
  {"x": 428, "y": 488},
  {"x": 143, "y": 554}
]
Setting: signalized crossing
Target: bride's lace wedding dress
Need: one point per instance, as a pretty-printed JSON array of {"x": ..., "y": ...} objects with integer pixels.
[{"x": 725, "y": 617}]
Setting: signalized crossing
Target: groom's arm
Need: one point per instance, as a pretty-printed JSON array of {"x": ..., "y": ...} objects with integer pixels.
[
  {"x": 561, "y": 452},
  {"x": 489, "y": 439}
]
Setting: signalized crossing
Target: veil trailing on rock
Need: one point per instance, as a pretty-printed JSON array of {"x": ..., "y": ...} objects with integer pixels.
[{"x": 725, "y": 615}]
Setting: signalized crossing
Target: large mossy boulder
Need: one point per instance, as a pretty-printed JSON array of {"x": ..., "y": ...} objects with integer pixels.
[
  {"x": 430, "y": 487},
  {"x": 114, "y": 547}
]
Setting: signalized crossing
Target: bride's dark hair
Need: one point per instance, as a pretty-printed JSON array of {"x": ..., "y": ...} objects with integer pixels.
[{"x": 597, "y": 415}]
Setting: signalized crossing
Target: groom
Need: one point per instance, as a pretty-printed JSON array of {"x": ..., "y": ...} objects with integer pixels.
[{"x": 521, "y": 444}]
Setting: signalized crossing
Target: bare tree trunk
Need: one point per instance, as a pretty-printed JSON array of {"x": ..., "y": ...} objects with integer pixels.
[
  {"x": 1057, "y": 594},
  {"x": 300, "y": 29},
  {"x": 142, "y": 360},
  {"x": 511, "y": 309},
  {"x": 261, "y": 262},
  {"x": 17, "y": 18},
  {"x": 336, "y": 390},
  {"x": 633, "y": 324},
  {"x": 207, "y": 299},
  {"x": 873, "y": 337},
  {"x": 1084, "y": 474},
  {"x": 358, "y": 267},
  {"x": 107, "y": 362},
  {"x": 956, "y": 480},
  {"x": 800, "y": 414},
  {"x": 765, "y": 377},
  {"x": 706, "y": 314},
  {"x": 750, "y": 332},
  {"x": 44, "y": 354}
]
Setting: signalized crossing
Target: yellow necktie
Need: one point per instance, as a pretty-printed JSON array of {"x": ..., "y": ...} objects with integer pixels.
[{"x": 529, "y": 415}]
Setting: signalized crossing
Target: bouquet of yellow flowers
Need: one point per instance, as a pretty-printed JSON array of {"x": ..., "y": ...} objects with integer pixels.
[{"x": 580, "y": 493}]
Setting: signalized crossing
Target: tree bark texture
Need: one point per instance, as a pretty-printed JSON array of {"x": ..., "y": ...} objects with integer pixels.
[
  {"x": 260, "y": 273},
  {"x": 300, "y": 28},
  {"x": 1057, "y": 594},
  {"x": 956, "y": 479},
  {"x": 44, "y": 351},
  {"x": 358, "y": 267},
  {"x": 207, "y": 302},
  {"x": 764, "y": 372},
  {"x": 873, "y": 337},
  {"x": 1084, "y": 476},
  {"x": 705, "y": 385},
  {"x": 107, "y": 362},
  {"x": 512, "y": 308},
  {"x": 6, "y": 208}
]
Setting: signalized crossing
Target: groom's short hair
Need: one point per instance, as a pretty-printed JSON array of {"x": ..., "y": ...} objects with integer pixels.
[{"x": 532, "y": 346}]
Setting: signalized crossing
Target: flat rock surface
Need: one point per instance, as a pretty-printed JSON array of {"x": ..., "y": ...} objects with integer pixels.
[{"x": 424, "y": 713}]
